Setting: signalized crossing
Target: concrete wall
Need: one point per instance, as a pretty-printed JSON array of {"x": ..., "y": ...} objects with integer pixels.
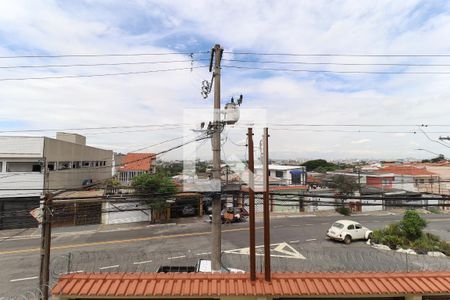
[{"x": 61, "y": 151}]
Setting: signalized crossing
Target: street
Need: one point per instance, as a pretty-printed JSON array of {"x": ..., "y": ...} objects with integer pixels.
[{"x": 298, "y": 244}]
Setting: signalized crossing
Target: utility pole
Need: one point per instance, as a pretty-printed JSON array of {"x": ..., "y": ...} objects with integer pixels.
[
  {"x": 267, "y": 272},
  {"x": 46, "y": 234},
  {"x": 251, "y": 202},
  {"x": 216, "y": 226}
]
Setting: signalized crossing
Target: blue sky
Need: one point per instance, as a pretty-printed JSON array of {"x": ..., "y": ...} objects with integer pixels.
[{"x": 357, "y": 27}]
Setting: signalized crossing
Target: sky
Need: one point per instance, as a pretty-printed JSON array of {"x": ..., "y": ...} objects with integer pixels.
[{"x": 331, "y": 98}]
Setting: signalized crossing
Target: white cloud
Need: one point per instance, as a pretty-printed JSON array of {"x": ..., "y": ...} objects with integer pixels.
[{"x": 261, "y": 26}]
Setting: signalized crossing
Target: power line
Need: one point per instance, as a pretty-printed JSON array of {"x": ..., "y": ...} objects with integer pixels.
[
  {"x": 100, "y": 75},
  {"x": 104, "y": 55},
  {"x": 339, "y": 54},
  {"x": 336, "y": 72},
  {"x": 336, "y": 63},
  {"x": 102, "y": 64}
]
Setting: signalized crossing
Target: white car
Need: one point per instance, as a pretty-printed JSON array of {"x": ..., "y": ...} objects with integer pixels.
[{"x": 347, "y": 231}]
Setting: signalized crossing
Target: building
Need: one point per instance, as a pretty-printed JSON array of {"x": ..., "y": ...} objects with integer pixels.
[
  {"x": 411, "y": 178},
  {"x": 28, "y": 165},
  {"x": 287, "y": 175},
  {"x": 134, "y": 164}
]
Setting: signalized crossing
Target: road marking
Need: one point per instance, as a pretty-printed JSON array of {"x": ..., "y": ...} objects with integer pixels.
[
  {"x": 376, "y": 221},
  {"x": 176, "y": 257},
  {"x": 142, "y": 262},
  {"x": 205, "y": 253},
  {"x": 278, "y": 226},
  {"x": 310, "y": 240},
  {"x": 309, "y": 224},
  {"x": 113, "y": 242},
  {"x": 277, "y": 250},
  {"x": 293, "y": 242},
  {"x": 79, "y": 271},
  {"x": 108, "y": 267},
  {"x": 296, "y": 225},
  {"x": 23, "y": 279},
  {"x": 324, "y": 223}
]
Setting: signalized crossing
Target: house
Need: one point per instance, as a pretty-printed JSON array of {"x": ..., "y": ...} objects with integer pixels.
[
  {"x": 134, "y": 164},
  {"x": 29, "y": 165},
  {"x": 411, "y": 178},
  {"x": 287, "y": 175}
]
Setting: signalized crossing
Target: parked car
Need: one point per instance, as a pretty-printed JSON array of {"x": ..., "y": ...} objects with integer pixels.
[
  {"x": 188, "y": 210},
  {"x": 348, "y": 231}
]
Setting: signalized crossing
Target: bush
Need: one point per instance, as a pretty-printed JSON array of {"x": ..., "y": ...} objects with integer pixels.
[
  {"x": 412, "y": 225},
  {"x": 344, "y": 211}
]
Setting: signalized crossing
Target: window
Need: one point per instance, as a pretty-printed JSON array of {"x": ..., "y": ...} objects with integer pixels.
[
  {"x": 1, "y": 167},
  {"x": 358, "y": 226},
  {"x": 64, "y": 165},
  {"x": 279, "y": 174},
  {"x": 86, "y": 164},
  {"x": 51, "y": 166},
  {"x": 76, "y": 164},
  {"x": 338, "y": 225},
  {"x": 23, "y": 167},
  {"x": 351, "y": 227}
]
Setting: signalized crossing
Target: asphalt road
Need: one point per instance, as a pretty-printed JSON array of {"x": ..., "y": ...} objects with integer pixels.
[{"x": 298, "y": 244}]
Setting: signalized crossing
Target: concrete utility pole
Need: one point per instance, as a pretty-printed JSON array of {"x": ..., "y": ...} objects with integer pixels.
[
  {"x": 46, "y": 235},
  {"x": 216, "y": 226}
]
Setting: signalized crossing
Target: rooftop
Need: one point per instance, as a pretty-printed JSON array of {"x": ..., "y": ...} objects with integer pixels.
[
  {"x": 137, "y": 162},
  {"x": 405, "y": 170},
  {"x": 232, "y": 284}
]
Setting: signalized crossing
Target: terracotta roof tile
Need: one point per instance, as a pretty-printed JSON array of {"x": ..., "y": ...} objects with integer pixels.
[
  {"x": 405, "y": 170},
  {"x": 282, "y": 284},
  {"x": 137, "y": 162}
]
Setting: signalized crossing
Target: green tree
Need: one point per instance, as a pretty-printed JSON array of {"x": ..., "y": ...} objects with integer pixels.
[
  {"x": 412, "y": 225},
  {"x": 345, "y": 187},
  {"x": 319, "y": 165},
  {"x": 157, "y": 189},
  {"x": 439, "y": 158}
]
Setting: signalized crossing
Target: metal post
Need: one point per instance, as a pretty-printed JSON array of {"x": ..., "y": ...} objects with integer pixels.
[
  {"x": 267, "y": 272},
  {"x": 216, "y": 226},
  {"x": 251, "y": 200},
  {"x": 45, "y": 246}
]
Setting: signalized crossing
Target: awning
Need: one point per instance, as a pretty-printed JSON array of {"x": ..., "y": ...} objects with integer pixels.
[{"x": 297, "y": 172}]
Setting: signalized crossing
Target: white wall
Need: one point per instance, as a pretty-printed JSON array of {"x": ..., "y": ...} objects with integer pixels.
[{"x": 20, "y": 149}]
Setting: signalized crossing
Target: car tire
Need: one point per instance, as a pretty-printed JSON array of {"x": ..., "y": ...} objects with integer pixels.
[
  {"x": 347, "y": 239},
  {"x": 370, "y": 236}
]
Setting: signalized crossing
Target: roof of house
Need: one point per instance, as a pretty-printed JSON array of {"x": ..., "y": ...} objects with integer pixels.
[
  {"x": 137, "y": 162},
  {"x": 232, "y": 284},
  {"x": 405, "y": 170}
]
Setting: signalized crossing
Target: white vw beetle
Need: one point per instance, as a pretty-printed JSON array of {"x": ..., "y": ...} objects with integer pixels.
[{"x": 347, "y": 231}]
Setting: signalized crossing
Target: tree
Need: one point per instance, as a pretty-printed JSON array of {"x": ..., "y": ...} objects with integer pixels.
[
  {"x": 412, "y": 225},
  {"x": 345, "y": 187},
  {"x": 157, "y": 189},
  {"x": 439, "y": 158},
  {"x": 320, "y": 165}
]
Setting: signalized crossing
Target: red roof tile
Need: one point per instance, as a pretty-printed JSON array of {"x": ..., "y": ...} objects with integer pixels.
[
  {"x": 405, "y": 170},
  {"x": 137, "y": 162},
  {"x": 222, "y": 284}
]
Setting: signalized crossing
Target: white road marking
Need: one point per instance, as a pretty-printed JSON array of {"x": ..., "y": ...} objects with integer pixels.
[
  {"x": 376, "y": 221},
  {"x": 296, "y": 241},
  {"x": 296, "y": 225},
  {"x": 276, "y": 250},
  {"x": 23, "y": 279},
  {"x": 310, "y": 240},
  {"x": 205, "y": 253},
  {"x": 142, "y": 262},
  {"x": 79, "y": 271},
  {"x": 278, "y": 226},
  {"x": 175, "y": 257},
  {"x": 324, "y": 223},
  {"x": 109, "y": 267}
]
